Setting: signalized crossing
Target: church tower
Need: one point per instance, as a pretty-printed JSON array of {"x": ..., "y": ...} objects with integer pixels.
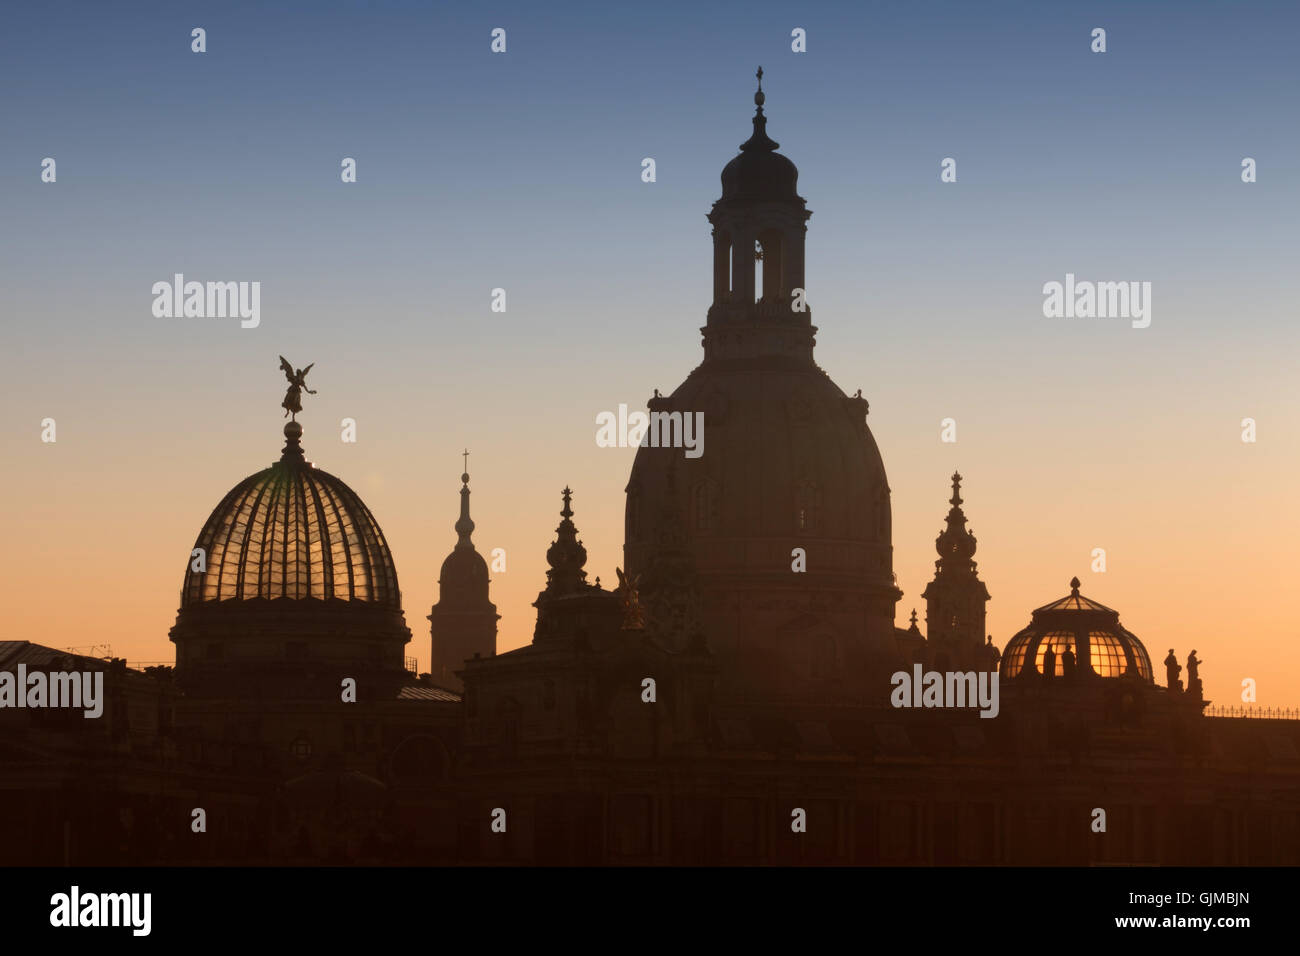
[
  {"x": 759, "y": 226},
  {"x": 781, "y": 515},
  {"x": 955, "y": 599},
  {"x": 464, "y": 622}
]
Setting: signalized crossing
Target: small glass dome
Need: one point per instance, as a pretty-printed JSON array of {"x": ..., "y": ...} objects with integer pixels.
[{"x": 1075, "y": 633}]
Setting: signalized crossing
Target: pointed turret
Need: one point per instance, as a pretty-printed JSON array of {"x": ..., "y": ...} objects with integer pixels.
[
  {"x": 956, "y": 597},
  {"x": 463, "y": 623},
  {"x": 566, "y": 555}
]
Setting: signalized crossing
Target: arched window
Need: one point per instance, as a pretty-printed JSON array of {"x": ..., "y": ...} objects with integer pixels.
[
  {"x": 769, "y": 281},
  {"x": 723, "y": 280},
  {"x": 1059, "y": 642},
  {"x": 807, "y": 505}
]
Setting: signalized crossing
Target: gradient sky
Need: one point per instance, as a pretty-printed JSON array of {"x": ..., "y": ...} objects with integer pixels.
[{"x": 522, "y": 171}]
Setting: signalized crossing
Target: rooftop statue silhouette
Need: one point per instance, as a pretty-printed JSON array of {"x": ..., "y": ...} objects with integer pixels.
[
  {"x": 1193, "y": 676},
  {"x": 1068, "y": 663},
  {"x": 292, "y": 403},
  {"x": 1172, "y": 670}
]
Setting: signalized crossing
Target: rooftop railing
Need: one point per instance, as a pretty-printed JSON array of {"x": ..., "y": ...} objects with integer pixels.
[{"x": 1246, "y": 710}]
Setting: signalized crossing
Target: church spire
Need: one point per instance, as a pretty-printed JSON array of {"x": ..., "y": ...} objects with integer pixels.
[
  {"x": 464, "y": 524},
  {"x": 955, "y": 544},
  {"x": 760, "y": 139},
  {"x": 956, "y": 597},
  {"x": 566, "y": 555},
  {"x": 463, "y": 624}
]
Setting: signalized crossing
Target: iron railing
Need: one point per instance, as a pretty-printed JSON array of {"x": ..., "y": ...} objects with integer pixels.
[{"x": 1273, "y": 713}]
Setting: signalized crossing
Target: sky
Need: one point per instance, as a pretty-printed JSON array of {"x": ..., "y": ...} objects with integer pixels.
[{"x": 522, "y": 170}]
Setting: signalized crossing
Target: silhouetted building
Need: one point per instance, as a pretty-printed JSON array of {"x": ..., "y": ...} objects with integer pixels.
[
  {"x": 955, "y": 599},
  {"x": 789, "y": 463},
  {"x": 463, "y": 624},
  {"x": 741, "y": 676}
]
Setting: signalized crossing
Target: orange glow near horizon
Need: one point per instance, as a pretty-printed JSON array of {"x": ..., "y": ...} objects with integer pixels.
[{"x": 100, "y": 523}]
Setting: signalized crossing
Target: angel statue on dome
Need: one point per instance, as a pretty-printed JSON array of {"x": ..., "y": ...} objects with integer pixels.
[{"x": 292, "y": 403}]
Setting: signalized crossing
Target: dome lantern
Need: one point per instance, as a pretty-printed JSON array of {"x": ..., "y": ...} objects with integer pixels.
[{"x": 759, "y": 225}]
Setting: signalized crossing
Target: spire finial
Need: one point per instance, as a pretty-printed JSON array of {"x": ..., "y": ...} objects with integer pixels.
[
  {"x": 566, "y": 511},
  {"x": 760, "y": 138},
  {"x": 465, "y": 471},
  {"x": 1074, "y": 586},
  {"x": 914, "y": 617},
  {"x": 956, "y": 544},
  {"x": 464, "y": 524}
]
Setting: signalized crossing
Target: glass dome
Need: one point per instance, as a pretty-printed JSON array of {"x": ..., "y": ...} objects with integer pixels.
[
  {"x": 1078, "y": 632},
  {"x": 292, "y": 531}
]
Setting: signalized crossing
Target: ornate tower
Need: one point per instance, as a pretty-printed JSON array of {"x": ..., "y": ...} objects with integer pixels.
[
  {"x": 787, "y": 467},
  {"x": 464, "y": 622},
  {"x": 955, "y": 599},
  {"x": 571, "y": 608},
  {"x": 566, "y": 555},
  {"x": 759, "y": 226}
]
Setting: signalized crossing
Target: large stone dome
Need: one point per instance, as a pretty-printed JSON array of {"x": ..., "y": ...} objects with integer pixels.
[{"x": 788, "y": 462}]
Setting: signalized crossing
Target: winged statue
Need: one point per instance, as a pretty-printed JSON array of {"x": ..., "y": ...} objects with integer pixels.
[{"x": 292, "y": 403}]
